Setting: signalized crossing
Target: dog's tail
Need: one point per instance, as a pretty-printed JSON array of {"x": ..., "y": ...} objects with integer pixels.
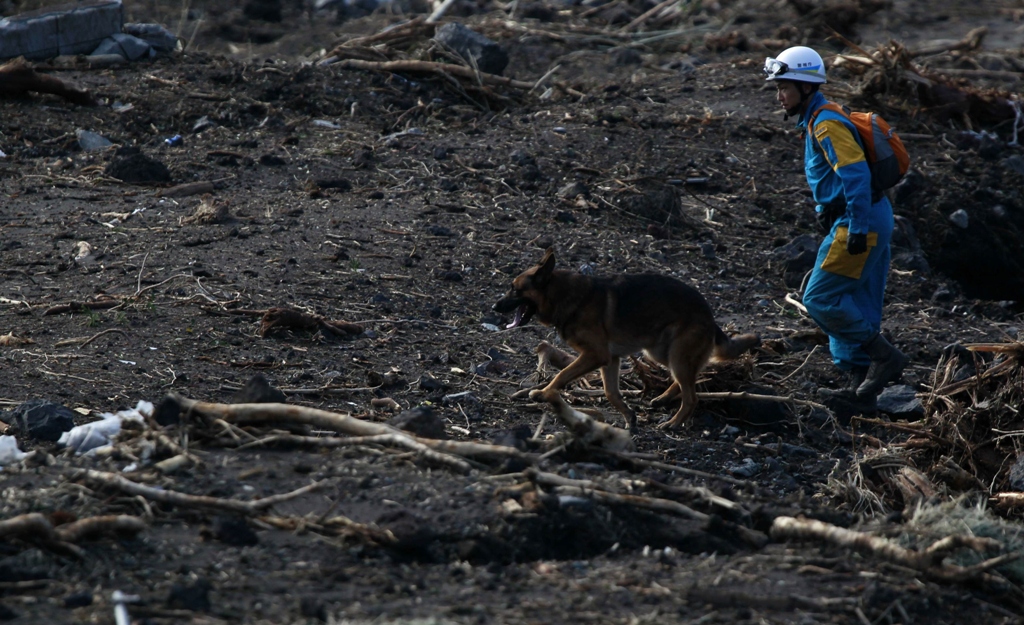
[{"x": 727, "y": 348}]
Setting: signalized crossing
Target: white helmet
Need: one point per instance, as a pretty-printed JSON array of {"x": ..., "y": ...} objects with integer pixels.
[{"x": 798, "y": 63}]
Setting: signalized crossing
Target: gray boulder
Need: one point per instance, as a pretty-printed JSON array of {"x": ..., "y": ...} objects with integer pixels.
[{"x": 488, "y": 56}]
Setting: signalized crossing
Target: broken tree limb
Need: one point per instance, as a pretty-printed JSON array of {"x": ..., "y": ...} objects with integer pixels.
[
  {"x": 972, "y": 41},
  {"x": 440, "y": 11},
  {"x": 333, "y": 526},
  {"x": 928, "y": 561},
  {"x": 102, "y": 304},
  {"x": 1004, "y": 501},
  {"x": 430, "y": 67},
  {"x": 587, "y": 488},
  {"x": 175, "y": 498},
  {"x": 97, "y": 526},
  {"x": 32, "y": 526},
  {"x": 17, "y": 77},
  {"x": 446, "y": 452},
  {"x": 37, "y": 529},
  {"x": 664, "y": 466},
  {"x": 588, "y": 430},
  {"x": 290, "y": 319},
  {"x": 188, "y": 189}
]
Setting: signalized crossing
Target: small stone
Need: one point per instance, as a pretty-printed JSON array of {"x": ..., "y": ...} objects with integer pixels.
[
  {"x": 234, "y": 531},
  {"x": 420, "y": 421},
  {"x": 959, "y": 218},
  {"x": 259, "y": 391},
  {"x": 194, "y": 596},
  {"x": 900, "y": 401}
]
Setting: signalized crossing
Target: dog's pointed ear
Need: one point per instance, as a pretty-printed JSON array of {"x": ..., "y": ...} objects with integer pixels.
[{"x": 546, "y": 265}]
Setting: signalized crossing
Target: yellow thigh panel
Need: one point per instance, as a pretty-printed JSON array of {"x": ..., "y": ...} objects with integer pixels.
[{"x": 842, "y": 262}]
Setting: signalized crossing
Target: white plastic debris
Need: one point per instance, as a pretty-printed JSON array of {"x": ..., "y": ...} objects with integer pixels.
[
  {"x": 98, "y": 434},
  {"x": 9, "y": 452}
]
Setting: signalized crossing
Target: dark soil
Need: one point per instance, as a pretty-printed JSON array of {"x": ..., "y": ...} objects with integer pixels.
[{"x": 404, "y": 205}]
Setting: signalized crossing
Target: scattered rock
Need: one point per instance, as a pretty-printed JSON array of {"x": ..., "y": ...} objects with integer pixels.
[
  {"x": 745, "y": 469},
  {"x": 475, "y": 48},
  {"x": 234, "y": 531},
  {"x": 901, "y": 401},
  {"x": 127, "y": 46},
  {"x": 1014, "y": 163},
  {"x": 573, "y": 190},
  {"x": 314, "y": 607},
  {"x": 626, "y": 56},
  {"x": 193, "y": 595},
  {"x": 796, "y": 258},
  {"x": 422, "y": 422},
  {"x": 41, "y": 419},
  {"x": 960, "y": 218},
  {"x": 167, "y": 412},
  {"x": 78, "y": 600},
  {"x": 131, "y": 165},
  {"x": 258, "y": 390}
]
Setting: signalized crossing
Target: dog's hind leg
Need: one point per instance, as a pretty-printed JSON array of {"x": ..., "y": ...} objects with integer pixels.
[
  {"x": 670, "y": 393},
  {"x": 610, "y": 378},
  {"x": 685, "y": 364}
]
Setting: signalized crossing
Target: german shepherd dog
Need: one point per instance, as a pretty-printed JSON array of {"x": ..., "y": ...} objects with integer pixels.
[{"x": 604, "y": 319}]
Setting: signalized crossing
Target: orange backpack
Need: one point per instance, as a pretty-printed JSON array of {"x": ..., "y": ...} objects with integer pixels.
[{"x": 887, "y": 159}]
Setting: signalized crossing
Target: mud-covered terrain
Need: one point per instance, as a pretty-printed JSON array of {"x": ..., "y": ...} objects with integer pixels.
[{"x": 405, "y": 202}]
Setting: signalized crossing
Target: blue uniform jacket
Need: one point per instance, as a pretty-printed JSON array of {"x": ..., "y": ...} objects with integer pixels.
[{"x": 836, "y": 167}]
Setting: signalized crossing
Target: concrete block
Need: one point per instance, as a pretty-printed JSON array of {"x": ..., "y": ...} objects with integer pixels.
[{"x": 63, "y": 29}]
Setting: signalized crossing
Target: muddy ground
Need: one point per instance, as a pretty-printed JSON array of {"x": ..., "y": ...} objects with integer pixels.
[{"x": 406, "y": 205}]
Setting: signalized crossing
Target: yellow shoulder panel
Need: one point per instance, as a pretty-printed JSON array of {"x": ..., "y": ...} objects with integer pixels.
[{"x": 846, "y": 149}]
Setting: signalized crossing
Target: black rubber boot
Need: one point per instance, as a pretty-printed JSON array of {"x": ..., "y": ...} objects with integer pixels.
[
  {"x": 887, "y": 364},
  {"x": 845, "y": 402},
  {"x": 855, "y": 377}
]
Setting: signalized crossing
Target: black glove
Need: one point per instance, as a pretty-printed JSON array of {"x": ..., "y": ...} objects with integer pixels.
[
  {"x": 856, "y": 243},
  {"x": 828, "y": 216}
]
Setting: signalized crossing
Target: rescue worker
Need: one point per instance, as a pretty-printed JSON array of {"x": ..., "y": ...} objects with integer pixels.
[{"x": 845, "y": 290}]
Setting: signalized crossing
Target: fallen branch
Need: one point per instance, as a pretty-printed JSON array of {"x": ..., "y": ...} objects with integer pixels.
[
  {"x": 334, "y": 526},
  {"x": 97, "y": 526},
  {"x": 972, "y": 41},
  {"x": 664, "y": 466},
  {"x": 587, "y": 489},
  {"x": 174, "y": 498},
  {"x": 37, "y": 529},
  {"x": 1005, "y": 501},
  {"x": 17, "y": 77},
  {"x": 82, "y": 341},
  {"x": 589, "y": 431},
  {"x": 290, "y": 319},
  {"x": 929, "y": 561},
  {"x": 188, "y": 189},
  {"x": 102, "y": 304},
  {"x": 431, "y": 67},
  {"x": 445, "y": 452}
]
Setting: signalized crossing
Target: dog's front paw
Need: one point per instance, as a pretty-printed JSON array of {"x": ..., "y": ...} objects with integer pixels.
[{"x": 537, "y": 395}]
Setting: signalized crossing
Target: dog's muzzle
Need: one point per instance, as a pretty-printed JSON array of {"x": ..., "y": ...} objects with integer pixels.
[{"x": 523, "y": 308}]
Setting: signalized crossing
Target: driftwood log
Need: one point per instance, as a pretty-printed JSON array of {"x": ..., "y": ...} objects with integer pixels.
[
  {"x": 929, "y": 561},
  {"x": 18, "y": 77},
  {"x": 449, "y": 453}
]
